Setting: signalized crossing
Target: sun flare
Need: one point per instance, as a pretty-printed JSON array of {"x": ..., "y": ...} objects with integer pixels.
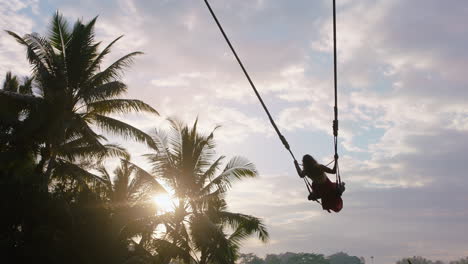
[{"x": 164, "y": 202}]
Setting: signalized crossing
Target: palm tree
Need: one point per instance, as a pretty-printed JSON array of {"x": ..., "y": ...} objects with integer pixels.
[
  {"x": 130, "y": 186},
  {"x": 10, "y": 113},
  {"x": 201, "y": 224},
  {"x": 129, "y": 193},
  {"x": 15, "y": 159},
  {"x": 11, "y": 84},
  {"x": 71, "y": 95}
]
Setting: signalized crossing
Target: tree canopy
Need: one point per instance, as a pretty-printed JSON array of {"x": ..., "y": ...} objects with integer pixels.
[{"x": 61, "y": 203}]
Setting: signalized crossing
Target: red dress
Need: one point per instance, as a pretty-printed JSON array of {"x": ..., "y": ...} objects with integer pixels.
[{"x": 328, "y": 193}]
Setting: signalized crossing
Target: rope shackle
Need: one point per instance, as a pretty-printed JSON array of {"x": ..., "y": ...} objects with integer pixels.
[{"x": 335, "y": 128}]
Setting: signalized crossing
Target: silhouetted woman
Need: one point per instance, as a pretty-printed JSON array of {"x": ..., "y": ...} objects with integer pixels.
[{"x": 322, "y": 187}]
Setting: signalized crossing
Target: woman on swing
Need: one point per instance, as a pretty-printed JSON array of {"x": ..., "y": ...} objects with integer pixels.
[{"x": 322, "y": 188}]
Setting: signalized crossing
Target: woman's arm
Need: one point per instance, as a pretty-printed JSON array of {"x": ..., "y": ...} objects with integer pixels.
[
  {"x": 298, "y": 169},
  {"x": 328, "y": 170}
]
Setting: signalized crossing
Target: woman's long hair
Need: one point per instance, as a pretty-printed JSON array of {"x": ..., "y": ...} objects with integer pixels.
[{"x": 308, "y": 162}]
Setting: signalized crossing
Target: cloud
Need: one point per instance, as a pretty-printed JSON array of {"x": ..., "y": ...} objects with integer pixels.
[
  {"x": 12, "y": 54},
  {"x": 425, "y": 97}
]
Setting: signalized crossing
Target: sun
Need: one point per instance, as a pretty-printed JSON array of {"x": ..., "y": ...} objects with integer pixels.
[{"x": 164, "y": 202}]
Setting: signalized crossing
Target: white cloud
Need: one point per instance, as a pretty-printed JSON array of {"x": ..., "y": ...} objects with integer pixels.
[{"x": 12, "y": 54}]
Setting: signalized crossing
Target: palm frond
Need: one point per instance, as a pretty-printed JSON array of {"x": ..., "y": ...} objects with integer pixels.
[
  {"x": 240, "y": 167},
  {"x": 82, "y": 142},
  {"x": 245, "y": 225},
  {"x": 35, "y": 59},
  {"x": 139, "y": 226},
  {"x": 238, "y": 236},
  {"x": 10, "y": 84},
  {"x": 97, "y": 61},
  {"x": 174, "y": 139},
  {"x": 102, "y": 92},
  {"x": 160, "y": 138},
  {"x": 202, "y": 230},
  {"x": 120, "y": 128},
  {"x": 43, "y": 49},
  {"x": 206, "y": 201},
  {"x": 167, "y": 251},
  {"x": 207, "y": 151},
  {"x": 148, "y": 179},
  {"x": 89, "y": 152},
  {"x": 115, "y": 150},
  {"x": 106, "y": 179},
  {"x": 26, "y": 86},
  {"x": 96, "y": 153},
  {"x": 81, "y": 51},
  {"x": 237, "y": 168},
  {"x": 121, "y": 183},
  {"x": 65, "y": 168},
  {"x": 162, "y": 161},
  {"x": 112, "y": 72},
  {"x": 59, "y": 32},
  {"x": 210, "y": 239},
  {"x": 120, "y": 106},
  {"x": 209, "y": 174}
]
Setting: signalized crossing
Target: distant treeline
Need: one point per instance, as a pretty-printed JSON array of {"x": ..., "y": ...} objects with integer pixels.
[
  {"x": 338, "y": 258},
  {"x": 300, "y": 258},
  {"x": 421, "y": 260}
]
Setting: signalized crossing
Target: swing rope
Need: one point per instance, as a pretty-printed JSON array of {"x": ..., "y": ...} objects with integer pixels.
[
  {"x": 335, "y": 75},
  {"x": 282, "y": 138}
]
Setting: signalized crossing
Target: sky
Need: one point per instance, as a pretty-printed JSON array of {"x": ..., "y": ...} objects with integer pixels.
[{"x": 403, "y": 107}]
